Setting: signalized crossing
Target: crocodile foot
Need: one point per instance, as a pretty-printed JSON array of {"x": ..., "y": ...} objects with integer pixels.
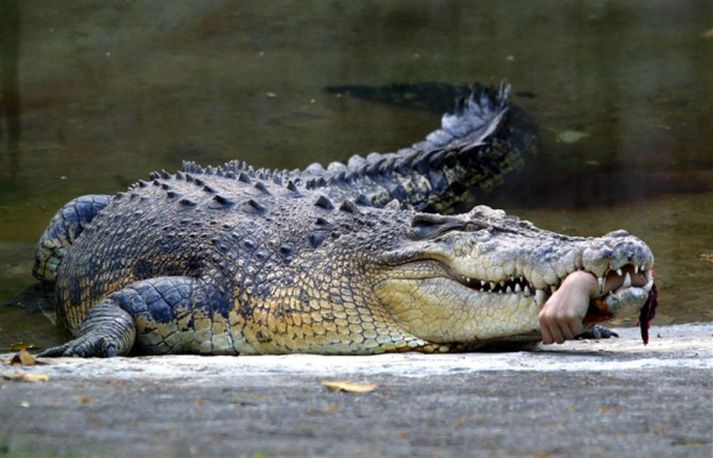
[
  {"x": 85, "y": 346},
  {"x": 597, "y": 332},
  {"x": 107, "y": 331}
]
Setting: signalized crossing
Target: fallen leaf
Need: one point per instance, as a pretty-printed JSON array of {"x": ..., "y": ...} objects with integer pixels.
[
  {"x": 348, "y": 387},
  {"x": 17, "y": 346},
  {"x": 84, "y": 399},
  {"x": 707, "y": 34},
  {"x": 708, "y": 257},
  {"x": 23, "y": 358},
  {"x": 27, "y": 377},
  {"x": 35, "y": 377}
]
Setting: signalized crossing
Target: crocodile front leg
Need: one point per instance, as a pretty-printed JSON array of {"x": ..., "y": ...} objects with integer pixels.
[
  {"x": 108, "y": 330},
  {"x": 162, "y": 314}
]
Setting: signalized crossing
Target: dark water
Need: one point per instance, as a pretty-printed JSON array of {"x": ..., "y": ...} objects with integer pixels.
[{"x": 96, "y": 95}]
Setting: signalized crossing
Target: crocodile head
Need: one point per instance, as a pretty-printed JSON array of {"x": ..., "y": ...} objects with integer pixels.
[{"x": 485, "y": 275}]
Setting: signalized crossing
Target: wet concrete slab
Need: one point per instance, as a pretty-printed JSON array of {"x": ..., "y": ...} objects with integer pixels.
[{"x": 593, "y": 398}]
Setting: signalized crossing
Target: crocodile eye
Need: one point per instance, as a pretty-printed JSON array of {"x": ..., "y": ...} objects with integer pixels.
[{"x": 427, "y": 225}]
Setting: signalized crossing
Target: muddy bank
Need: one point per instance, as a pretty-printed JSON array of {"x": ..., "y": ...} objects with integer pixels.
[{"x": 595, "y": 398}]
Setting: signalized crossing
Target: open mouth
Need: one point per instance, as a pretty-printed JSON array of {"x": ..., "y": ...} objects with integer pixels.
[
  {"x": 613, "y": 280},
  {"x": 628, "y": 280},
  {"x": 514, "y": 285}
]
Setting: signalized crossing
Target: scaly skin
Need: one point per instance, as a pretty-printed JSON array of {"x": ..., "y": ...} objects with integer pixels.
[
  {"x": 233, "y": 267},
  {"x": 233, "y": 260},
  {"x": 481, "y": 141}
]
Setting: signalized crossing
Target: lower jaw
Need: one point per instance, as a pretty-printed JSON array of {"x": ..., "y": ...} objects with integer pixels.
[
  {"x": 627, "y": 301},
  {"x": 597, "y": 312}
]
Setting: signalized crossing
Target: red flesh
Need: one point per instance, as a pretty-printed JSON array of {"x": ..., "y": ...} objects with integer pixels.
[{"x": 648, "y": 312}]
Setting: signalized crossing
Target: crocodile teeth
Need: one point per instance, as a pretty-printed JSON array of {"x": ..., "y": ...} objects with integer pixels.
[
  {"x": 649, "y": 276},
  {"x": 553, "y": 289},
  {"x": 526, "y": 291},
  {"x": 517, "y": 288},
  {"x": 482, "y": 282},
  {"x": 619, "y": 272},
  {"x": 636, "y": 268},
  {"x": 649, "y": 285},
  {"x": 492, "y": 285},
  {"x": 540, "y": 297},
  {"x": 600, "y": 281},
  {"x": 508, "y": 290},
  {"x": 627, "y": 281}
]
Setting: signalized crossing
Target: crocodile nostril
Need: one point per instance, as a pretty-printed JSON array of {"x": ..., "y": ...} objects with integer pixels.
[{"x": 618, "y": 233}]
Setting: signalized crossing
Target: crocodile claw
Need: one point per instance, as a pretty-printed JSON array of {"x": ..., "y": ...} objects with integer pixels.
[
  {"x": 83, "y": 346},
  {"x": 597, "y": 332},
  {"x": 107, "y": 331}
]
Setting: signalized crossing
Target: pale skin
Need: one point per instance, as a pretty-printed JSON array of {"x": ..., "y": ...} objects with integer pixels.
[{"x": 561, "y": 316}]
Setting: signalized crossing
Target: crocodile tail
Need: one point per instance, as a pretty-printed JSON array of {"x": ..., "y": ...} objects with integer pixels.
[
  {"x": 481, "y": 140},
  {"x": 64, "y": 228},
  {"x": 484, "y": 138}
]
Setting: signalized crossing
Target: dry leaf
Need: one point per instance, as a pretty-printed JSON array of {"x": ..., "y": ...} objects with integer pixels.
[
  {"x": 349, "y": 387},
  {"x": 708, "y": 257},
  {"x": 23, "y": 358},
  {"x": 27, "y": 377},
  {"x": 17, "y": 346}
]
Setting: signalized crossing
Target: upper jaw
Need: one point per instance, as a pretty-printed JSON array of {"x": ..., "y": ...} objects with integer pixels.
[
  {"x": 613, "y": 284},
  {"x": 537, "y": 268}
]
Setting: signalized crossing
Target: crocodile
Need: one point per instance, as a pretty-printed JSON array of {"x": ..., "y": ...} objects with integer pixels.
[{"x": 336, "y": 260}]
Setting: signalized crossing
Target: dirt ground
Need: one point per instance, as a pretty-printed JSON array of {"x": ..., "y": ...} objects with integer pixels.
[{"x": 589, "y": 398}]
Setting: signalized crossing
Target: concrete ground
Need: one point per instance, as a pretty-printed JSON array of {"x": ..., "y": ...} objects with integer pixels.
[{"x": 585, "y": 398}]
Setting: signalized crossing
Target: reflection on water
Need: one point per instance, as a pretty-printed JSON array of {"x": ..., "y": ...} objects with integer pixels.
[
  {"x": 622, "y": 94},
  {"x": 9, "y": 90}
]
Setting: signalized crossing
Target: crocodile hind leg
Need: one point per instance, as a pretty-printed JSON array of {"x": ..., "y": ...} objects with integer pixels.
[
  {"x": 63, "y": 230},
  {"x": 162, "y": 314}
]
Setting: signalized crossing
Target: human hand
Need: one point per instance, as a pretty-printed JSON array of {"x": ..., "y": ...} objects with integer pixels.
[{"x": 561, "y": 316}]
